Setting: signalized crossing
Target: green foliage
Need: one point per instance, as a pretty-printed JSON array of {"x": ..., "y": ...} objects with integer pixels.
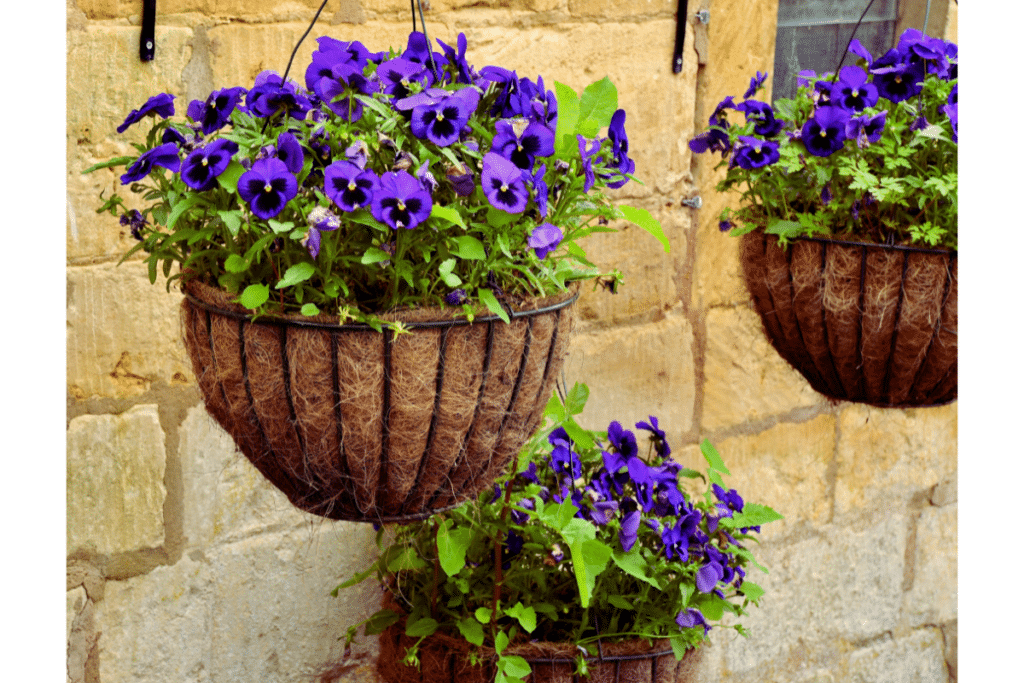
[{"x": 565, "y": 572}]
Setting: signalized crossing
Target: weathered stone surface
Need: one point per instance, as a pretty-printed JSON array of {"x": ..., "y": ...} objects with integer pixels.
[
  {"x": 786, "y": 468},
  {"x": 944, "y": 492},
  {"x": 885, "y": 456},
  {"x": 915, "y": 658},
  {"x": 268, "y": 9},
  {"x": 634, "y": 372},
  {"x": 733, "y": 58},
  {"x": 123, "y": 332},
  {"x": 839, "y": 585},
  {"x": 225, "y": 498},
  {"x": 105, "y": 81},
  {"x": 115, "y": 481},
  {"x": 273, "y": 618},
  {"x": 744, "y": 378},
  {"x": 156, "y": 627},
  {"x": 932, "y": 599},
  {"x": 82, "y": 637},
  {"x": 649, "y": 274},
  {"x": 76, "y": 599},
  {"x": 613, "y": 9}
]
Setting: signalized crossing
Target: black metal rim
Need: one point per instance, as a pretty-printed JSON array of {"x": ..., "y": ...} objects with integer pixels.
[{"x": 876, "y": 245}]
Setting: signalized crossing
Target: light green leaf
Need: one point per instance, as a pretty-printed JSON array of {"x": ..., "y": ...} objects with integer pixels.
[
  {"x": 483, "y": 615},
  {"x": 447, "y": 213},
  {"x": 374, "y": 255},
  {"x": 310, "y": 310},
  {"x": 380, "y": 621},
  {"x": 526, "y": 615},
  {"x": 753, "y": 514},
  {"x": 787, "y": 229},
  {"x": 589, "y": 559},
  {"x": 711, "y": 606},
  {"x": 679, "y": 645},
  {"x": 451, "y": 548},
  {"x": 445, "y": 270},
  {"x": 300, "y": 272},
  {"x": 279, "y": 227},
  {"x": 491, "y": 302},
  {"x": 580, "y": 436},
  {"x": 751, "y": 590},
  {"x": 469, "y": 247},
  {"x": 180, "y": 208},
  {"x": 514, "y": 666},
  {"x": 568, "y": 115},
  {"x": 599, "y": 101},
  {"x": 496, "y": 218},
  {"x": 500, "y": 642},
  {"x": 713, "y": 458},
  {"x": 229, "y": 178},
  {"x": 232, "y": 219},
  {"x": 404, "y": 558},
  {"x": 235, "y": 264},
  {"x": 421, "y": 627},
  {"x": 472, "y": 631},
  {"x": 634, "y": 564},
  {"x": 254, "y": 296},
  {"x": 644, "y": 219},
  {"x": 576, "y": 399}
]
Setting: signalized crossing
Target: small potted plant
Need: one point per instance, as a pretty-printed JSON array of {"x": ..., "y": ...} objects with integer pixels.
[
  {"x": 313, "y": 224},
  {"x": 848, "y": 214},
  {"x": 590, "y": 557}
]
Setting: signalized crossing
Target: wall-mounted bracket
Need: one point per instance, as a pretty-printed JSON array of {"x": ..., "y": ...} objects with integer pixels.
[{"x": 147, "y": 42}]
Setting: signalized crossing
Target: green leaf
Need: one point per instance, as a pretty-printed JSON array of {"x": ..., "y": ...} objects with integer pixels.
[
  {"x": 445, "y": 270},
  {"x": 472, "y": 631},
  {"x": 279, "y": 227},
  {"x": 180, "y": 208},
  {"x": 598, "y": 103},
  {"x": 620, "y": 602},
  {"x": 753, "y": 514},
  {"x": 633, "y": 563},
  {"x": 310, "y": 310},
  {"x": 686, "y": 592},
  {"x": 568, "y": 115},
  {"x": 483, "y": 615},
  {"x": 380, "y": 621},
  {"x": 713, "y": 458},
  {"x": 451, "y": 547},
  {"x": 711, "y": 606},
  {"x": 751, "y": 590},
  {"x": 232, "y": 219},
  {"x": 421, "y": 627},
  {"x": 447, "y": 213},
  {"x": 374, "y": 255},
  {"x": 229, "y": 178},
  {"x": 236, "y": 264},
  {"x": 644, "y": 219},
  {"x": 557, "y": 515},
  {"x": 491, "y": 302},
  {"x": 496, "y": 218},
  {"x": 515, "y": 666},
  {"x": 254, "y": 296},
  {"x": 469, "y": 247},
  {"x": 787, "y": 229},
  {"x": 526, "y": 615},
  {"x": 589, "y": 559},
  {"x": 500, "y": 641},
  {"x": 679, "y": 645},
  {"x": 116, "y": 161},
  {"x": 580, "y": 436},
  {"x": 404, "y": 558},
  {"x": 576, "y": 399},
  {"x": 300, "y": 272}
]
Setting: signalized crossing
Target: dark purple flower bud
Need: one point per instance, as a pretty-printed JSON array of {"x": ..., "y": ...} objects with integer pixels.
[
  {"x": 724, "y": 226},
  {"x": 426, "y": 178},
  {"x": 587, "y": 154},
  {"x": 461, "y": 179},
  {"x": 201, "y": 168},
  {"x": 267, "y": 187},
  {"x": 400, "y": 201},
  {"x": 503, "y": 184},
  {"x": 628, "y": 530},
  {"x": 755, "y": 84},
  {"x": 165, "y": 155},
  {"x": 544, "y": 239},
  {"x": 161, "y": 105},
  {"x": 134, "y": 220},
  {"x": 457, "y": 297}
]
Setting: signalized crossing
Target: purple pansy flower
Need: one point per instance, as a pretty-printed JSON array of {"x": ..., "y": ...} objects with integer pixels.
[
  {"x": 691, "y": 618},
  {"x": 349, "y": 186},
  {"x": 544, "y": 239},
  {"x": 708, "y": 576},
  {"x": 503, "y": 184},
  {"x": 267, "y": 187},
  {"x": 866, "y": 129},
  {"x": 620, "y": 148},
  {"x": 165, "y": 155},
  {"x": 161, "y": 105},
  {"x": 896, "y": 79},
  {"x": 396, "y": 75},
  {"x": 521, "y": 141},
  {"x": 400, "y": 201},
  {"x": 289, "y": 150},
  {"x": 458, "y": 58},
  {"x": 661, "y": 446},
  {"x": 269, "y": 96},
  {"x": 540, "y": 189},
  {"x": 852, "y": 91},
  {"x": 825, "y": 132},
  {"x": 756, "y": 153},
  {"x": 628, "y": 530},
  {"x": 755, "y": 84},
  {"x": 336, "y": 90},
  {"x": 763, "y": 116},
  {"x": 201, "y": 168},
  {"x": 440, "y": 115},
  {"x": 320, "y": 220},
  {"x": 215, "y": 112}
]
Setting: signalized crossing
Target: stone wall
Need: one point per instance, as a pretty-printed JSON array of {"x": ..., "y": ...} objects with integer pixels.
[{"x": 183, "y": 564}]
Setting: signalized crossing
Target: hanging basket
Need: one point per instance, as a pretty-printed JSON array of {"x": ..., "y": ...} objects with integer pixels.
[
  {"x": 444, "y": 659},
  {"x": 862, "y": 322},
  {"x": 361, "y": 425}
]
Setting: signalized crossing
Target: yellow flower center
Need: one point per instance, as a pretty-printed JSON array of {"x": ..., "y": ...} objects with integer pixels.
[
  {"x": 204, "y": 162},
  {"x": 351, "y": 184},
  {"x": 401, "y": 205},
  {"x": 267, "y": 188},
  {"x": 504, "y": 188}
]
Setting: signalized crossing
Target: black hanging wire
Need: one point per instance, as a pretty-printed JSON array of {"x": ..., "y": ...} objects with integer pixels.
[{"x": 842, "y": 57}]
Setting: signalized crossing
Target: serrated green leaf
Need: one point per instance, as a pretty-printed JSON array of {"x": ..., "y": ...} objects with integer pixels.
[
  {"x": 787, "y": 229},
  {"x": 300, "y": 272},
  {"x": 576, "y": 399},
  {"x": 568, "y": 116},
  {"x": 254, "y": 296},
  {"x": 580, "y": 436},
  {"x": 753, "y": 514},
  {"x": 751, "y": 590},
  {"x": 491, "y": 302},
  {"x": 633, "y": 563},
  {"x": 644, "y": 219},
  {"x": 713, "y": 458},
  {"x": 235, "y": 264},
  {"x": 451, "y": 548},
  {"x": 597, "y": 104}
]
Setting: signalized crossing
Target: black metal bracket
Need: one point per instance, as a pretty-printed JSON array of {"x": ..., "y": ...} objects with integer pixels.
[
  {"x": 677, "y": 52},
  {"x": 147, "y": 42}
]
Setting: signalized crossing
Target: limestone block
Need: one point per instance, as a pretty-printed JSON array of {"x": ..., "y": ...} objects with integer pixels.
[
  {"x": 915, "y": 658},
  {"x": 273, "y": 617},
  {"x": 105, "y": 81},
  {"x": 744, "y": 378},
  {"x": 885, "y": 456},
  {"x": 225, "y": 498},
  {"x": 611, "y": 9},
  {"x": 634, "y": 372},
  {"x": 838, "y": 585},
  {"x": 122, "y": 332},
  {"x": 115, "y": 481},
  {"x": 76, "y": 600},
  {"x": 156, "y": 627},
  {"x": 933, "y": 597},
  {"x": 718, "y": 278},
  {"x": 648, "y": 272},
  {"x": 110, "y": 9},
  {"x": 786, "y": 468}
]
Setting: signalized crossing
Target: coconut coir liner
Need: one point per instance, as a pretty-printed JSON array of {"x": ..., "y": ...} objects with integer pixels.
[
  {"x": 860, "y": 322},
  {"x": 306, "y": 405},
  {"x": 445, "y": 659}
]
